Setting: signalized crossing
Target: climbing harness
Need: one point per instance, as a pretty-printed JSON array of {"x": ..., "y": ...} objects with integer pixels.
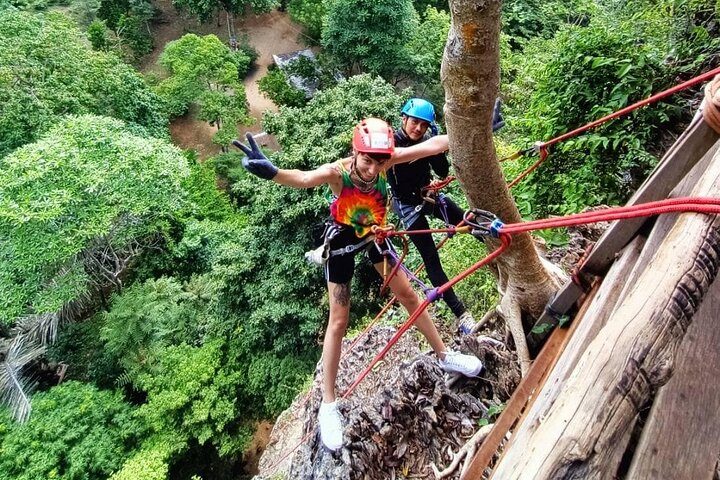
[{"x": 320, "y": 255}]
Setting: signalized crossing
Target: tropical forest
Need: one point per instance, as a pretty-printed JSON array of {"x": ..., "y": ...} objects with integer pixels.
[{"x": 158, "y": 317}]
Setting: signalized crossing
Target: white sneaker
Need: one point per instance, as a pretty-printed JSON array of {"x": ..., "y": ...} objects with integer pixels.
[
  {"x": 466, "y": 322},
  {"x": 456, "y": 362},
  {"x": 331, "y": 430}
]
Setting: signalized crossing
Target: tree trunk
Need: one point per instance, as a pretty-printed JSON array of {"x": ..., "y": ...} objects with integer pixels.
[{"x": 470, "y": 74}]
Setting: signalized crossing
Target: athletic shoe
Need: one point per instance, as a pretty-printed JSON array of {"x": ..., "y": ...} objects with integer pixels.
[
  {"x": 466, "y": 322},
  {"x": 331, "y": 430},
  {"x": 456, "y": 362}
]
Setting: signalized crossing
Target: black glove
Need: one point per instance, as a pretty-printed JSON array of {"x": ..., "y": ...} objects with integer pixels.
[
  {"x": 255, "y": 161},
  {"x": 497, "y": 121}
]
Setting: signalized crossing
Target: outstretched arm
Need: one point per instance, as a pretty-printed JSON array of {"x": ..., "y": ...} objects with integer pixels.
[
  {"x": 432, "y": 146},
  {"x": 258, "y": 164}
]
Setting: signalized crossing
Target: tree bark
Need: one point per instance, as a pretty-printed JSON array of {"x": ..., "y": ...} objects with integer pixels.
[{"x": 470, "y": 74}]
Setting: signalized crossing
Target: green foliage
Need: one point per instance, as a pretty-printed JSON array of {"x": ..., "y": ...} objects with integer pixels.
[
  {"x": 197, "y": 401},
  {"x": 34, "y": 5},
  {"x": 88, "y": 182},
  {"x": 147, "y": 464},
  {"x": 205, "y": 71},
  {"x": 427, "y": 45},
  {"x": 204, "y": 9},
  {"x": 129, "y": 20},
  {"x": 582, "y": 74},
  {"x": 310, "y": 14},
  {"x": 75, "y": 432},
  {"x": 276, "y": 87},
  {"x": 277, "y": 380},
  {"x": 80, "y": 347},
  {"x": 526, "y": 19},
  {"x": 84, "y": 11},
  {"x": 47, "y": 70},
  {"x": 246, "y": 55},
  {"x": 132, "y": 31},
  {"x": 148, "y": 316},
  {"x": 205, "y": 200},
  {"x": 98, "y": 35},
  {"x": 423, "y": 5},
  {"x": 370, "y": 36}
]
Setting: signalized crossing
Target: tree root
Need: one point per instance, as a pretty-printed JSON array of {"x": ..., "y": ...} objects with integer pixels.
[
  {"x": 467, "y": 451},
  {"x": 510, "y": 310}
]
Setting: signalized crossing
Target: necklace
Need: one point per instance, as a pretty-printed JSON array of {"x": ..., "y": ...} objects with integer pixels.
[{"x": 362, "y": 184}]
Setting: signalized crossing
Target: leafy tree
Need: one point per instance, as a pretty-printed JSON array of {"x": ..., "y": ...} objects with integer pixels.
[
  {"x": 275, "y": 85},
  {"x": 204, "y": 9},
  {"x": 98, "y": 35},
  {"x": 77, "y": 432},
  {"x": 525, "y": 281},
  {"x": 427, "y": 45},
  {"x": 205, "y": 71},
  {"x": 78, "y": 206},
  {"x": 591, "y": 72},
  {"x": 147, "y": 464},
  {"x": 309, "y": 13},
  {"x": 197, "y": 401},
  {"x": 147, "y": 316},
  {"x": 47, "y": 70},
  {"x": 525, "y": 19},
  {"x": 129, "y": 21},
  {"x": 84, "y": 11},
  {"x": 370, "y": 36}
]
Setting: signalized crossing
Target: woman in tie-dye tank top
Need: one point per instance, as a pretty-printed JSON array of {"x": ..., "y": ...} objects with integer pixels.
[{"x": 360, "y": 191}]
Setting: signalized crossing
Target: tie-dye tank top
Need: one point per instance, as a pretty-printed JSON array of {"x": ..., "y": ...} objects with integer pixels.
[{"x": 357, "y": 209}]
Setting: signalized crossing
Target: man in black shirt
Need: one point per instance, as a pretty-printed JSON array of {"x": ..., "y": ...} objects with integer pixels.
[{"x": 407, "y": 182}]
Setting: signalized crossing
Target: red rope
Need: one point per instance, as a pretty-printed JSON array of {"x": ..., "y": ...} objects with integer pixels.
[
  {"x": 505, "y": 239},
  {"x": 710, "y": 205},
  {"x": 683, "y": 204},
  {"x": 654, "y": 98}
]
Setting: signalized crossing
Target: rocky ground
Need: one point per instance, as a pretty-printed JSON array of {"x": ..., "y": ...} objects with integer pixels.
[{"x": 401, "y": 419}]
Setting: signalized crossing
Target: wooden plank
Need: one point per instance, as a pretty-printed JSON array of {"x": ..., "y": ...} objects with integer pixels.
[
  {"x": 680, "y": 438},
  {"x": 527, "y": 388},
  {"x": 596, "y": 310},
  {"x": 558, "y": 353},
  {"x": 697, "y": 142},
  {"x": 587, "y": 425},
  {"x": 673, "y": 167}
]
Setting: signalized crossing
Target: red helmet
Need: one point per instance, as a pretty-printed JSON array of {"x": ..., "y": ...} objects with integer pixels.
[{"x": 373, "y": 135}]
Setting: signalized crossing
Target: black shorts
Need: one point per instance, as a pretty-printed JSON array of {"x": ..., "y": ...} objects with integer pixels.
[{"x": 340, "y": 267}]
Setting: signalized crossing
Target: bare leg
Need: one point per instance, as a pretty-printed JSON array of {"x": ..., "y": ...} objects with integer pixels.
[
  {"x": 339, "y": 295},
  {"x": 401, "y": 288}
]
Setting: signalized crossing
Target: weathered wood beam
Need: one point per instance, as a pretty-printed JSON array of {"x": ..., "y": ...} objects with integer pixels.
[
  {"x": 587, "y": 427},
  {"x": 681, "y": 436},
  {"x": 695, "y": 142}
]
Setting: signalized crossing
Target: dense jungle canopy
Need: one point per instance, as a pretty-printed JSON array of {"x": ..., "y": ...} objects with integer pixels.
[{"x": 154, "y": 303}]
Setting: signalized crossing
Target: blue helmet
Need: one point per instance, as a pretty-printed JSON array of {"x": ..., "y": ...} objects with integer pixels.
[{"x": 419, "y": 108}]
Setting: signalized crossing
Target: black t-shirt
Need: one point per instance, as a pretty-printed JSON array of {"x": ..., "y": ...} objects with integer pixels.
[{"x": 407, "y": 179}]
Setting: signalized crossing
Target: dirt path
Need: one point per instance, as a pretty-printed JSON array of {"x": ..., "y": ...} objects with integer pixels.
[{"x": 269, "y": 34}]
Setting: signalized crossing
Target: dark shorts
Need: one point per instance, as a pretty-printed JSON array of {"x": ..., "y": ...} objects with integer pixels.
[{"x": 340, "y": 268}]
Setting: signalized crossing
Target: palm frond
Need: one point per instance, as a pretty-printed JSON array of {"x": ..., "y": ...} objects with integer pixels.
[{"x": 15, "y": 388}]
